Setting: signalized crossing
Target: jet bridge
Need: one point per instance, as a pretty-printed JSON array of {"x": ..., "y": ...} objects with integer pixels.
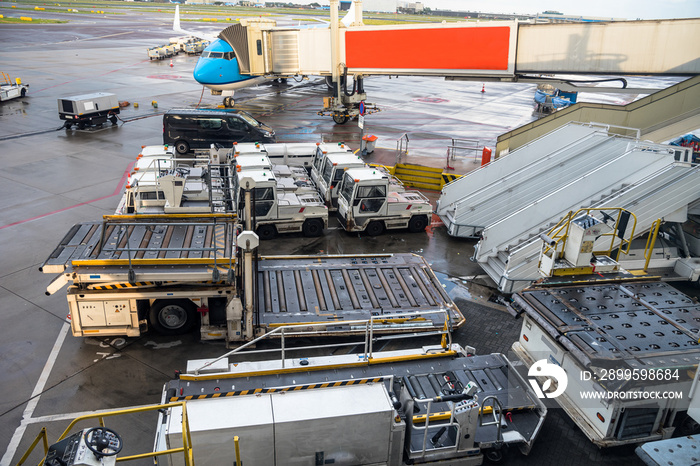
[
  {"x": 501, "y": 50},
  {"x": 510, "y": 201}
]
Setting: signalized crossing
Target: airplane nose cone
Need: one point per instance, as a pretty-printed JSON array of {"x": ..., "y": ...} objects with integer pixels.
[{"x": 202, "y": 72}]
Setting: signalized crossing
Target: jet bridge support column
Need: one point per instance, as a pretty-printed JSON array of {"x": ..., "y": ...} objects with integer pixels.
[{"x": 335, "y": 52}]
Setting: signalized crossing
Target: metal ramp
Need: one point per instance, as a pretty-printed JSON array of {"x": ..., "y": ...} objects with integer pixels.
[{"x": 508, "y": 203}]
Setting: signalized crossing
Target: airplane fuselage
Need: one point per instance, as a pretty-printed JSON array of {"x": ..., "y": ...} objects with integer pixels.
[{"x": 217, "y": 69}]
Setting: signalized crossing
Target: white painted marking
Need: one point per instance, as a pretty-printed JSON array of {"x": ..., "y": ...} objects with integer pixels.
[
  {"x": 34, "y": 400},
  {"x": 71, "y": 416}
]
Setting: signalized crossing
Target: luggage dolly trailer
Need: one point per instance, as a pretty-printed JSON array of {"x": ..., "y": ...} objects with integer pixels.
[
  {"x": 10, "y": 89},
  {"x": 88, "y": 109},
  {"x": 131, "y": 273},
  {"x": 621, "y": 349},
  {"x": 429, "y": 405}
]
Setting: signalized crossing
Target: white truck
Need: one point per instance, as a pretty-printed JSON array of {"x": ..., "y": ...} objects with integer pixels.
[
  {"x": 329, "y": 178},
  {"x": 88, "y": 109},
  {"x": 366, "y": 203},
  {"x": 11, "y": 89},
  {"x": 277, "y": 210}
]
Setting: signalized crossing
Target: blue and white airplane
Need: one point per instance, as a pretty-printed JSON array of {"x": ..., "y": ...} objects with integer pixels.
[{"x": 217, "y": 67}]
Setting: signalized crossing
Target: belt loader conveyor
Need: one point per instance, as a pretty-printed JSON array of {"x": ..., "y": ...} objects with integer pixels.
[
  {"x": 354, "y": 409},
  {"x": 171, "y": 271}
]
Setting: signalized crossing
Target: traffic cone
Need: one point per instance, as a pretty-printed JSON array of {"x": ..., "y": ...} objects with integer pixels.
[
  {"x": 483, "y": 87},
  {"x": 171, "y": 65}
]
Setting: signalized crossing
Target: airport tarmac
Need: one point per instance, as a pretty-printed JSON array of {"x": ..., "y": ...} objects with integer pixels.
[{"x": 52, "y": 178}]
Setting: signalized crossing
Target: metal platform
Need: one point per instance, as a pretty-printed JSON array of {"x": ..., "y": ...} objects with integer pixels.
[
  {"x": 337, "y": 288},
  {"x": 424, "y": 379},
  {"x": 122, "y": 243},
  {"x": 643, "y": 325}
]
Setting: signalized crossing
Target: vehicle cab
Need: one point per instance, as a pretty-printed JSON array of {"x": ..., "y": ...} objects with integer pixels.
[
  {"x": 334, "y": 166},
  {"x": 365, "y": 203}
]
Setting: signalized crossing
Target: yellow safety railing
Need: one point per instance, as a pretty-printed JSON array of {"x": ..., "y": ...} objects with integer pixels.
[
  {"x": 559, "y": 234},
  {"x": 651, "y": 241},
  {"x": 186, "y": 449}
]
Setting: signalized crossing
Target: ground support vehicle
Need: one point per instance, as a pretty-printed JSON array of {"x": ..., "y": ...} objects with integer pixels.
[
  {"x": 430, "y": 405},
  {"x": 163, "y": 51},
  {"x": 129, "y": 273},
  {"x": 278, "y": 210},
  {"x": 10, "y": 89},
  {"x": 290, "y": 178},
  {"x": 330, "y": 175},
  {"x": 294, "y": 154},
  {"x": 196, "y": 47},
  {"x": 88, "y": 109},
  {"x": 622, "y": 350},
  {"x": 366, "y": 204}
]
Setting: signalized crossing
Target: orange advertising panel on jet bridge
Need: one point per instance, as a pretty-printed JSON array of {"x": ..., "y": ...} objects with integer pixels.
[{"x": 464, "y": 48}]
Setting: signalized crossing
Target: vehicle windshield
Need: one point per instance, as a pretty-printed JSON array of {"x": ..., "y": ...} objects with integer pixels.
[
  {"x": 327, "y": 171},
  {"x": 318, "y": 156},
  {"x": 249, "y": 119},
  {"x": 347, "y": 187}
]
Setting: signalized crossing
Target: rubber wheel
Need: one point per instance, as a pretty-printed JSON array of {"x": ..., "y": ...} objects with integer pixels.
[
  {"x": 173, "y": 316},
  {"x": 182, "y": 147},
  {"x": 340, "y": 118},
  {"x": 375, "y": 228},
  {"x": 228, "y": 102},
  {"x": 266, "y": 232},
  {"x": 417, "y": 223},
  {"x": 24, "y": 92},
  {"x": 113, "y": 119},
  {"x": 81, "y": 125},
  {"x": 313, "y": 228}
]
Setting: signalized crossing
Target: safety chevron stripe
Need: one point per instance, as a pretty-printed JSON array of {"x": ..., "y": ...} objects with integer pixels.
[
  {"x": 119, "y": 286},
  {"x": 294, "y": 388},
  {"x": 448, "y": 177}
]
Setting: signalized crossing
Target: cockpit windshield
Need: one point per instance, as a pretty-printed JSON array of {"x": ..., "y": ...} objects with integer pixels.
[{"x": 224, "y": 55}]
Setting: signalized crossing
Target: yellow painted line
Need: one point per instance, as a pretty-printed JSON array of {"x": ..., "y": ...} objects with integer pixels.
[{"x": 339, "y": 321}]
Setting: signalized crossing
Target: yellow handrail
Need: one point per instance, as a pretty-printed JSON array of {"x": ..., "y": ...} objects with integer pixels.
[
  {"x": 651, "y": 241},
  {"x": 186, "y": 449}
]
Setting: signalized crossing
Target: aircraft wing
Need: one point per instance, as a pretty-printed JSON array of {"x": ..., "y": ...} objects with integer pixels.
[{"x": 178, "y": 28}]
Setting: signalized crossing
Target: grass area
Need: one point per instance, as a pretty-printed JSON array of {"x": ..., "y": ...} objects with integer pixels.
[
  {"x": 7, "y": 20},
  {"x": 230, "y": 11},
  {"x": 64, "y": 10}
]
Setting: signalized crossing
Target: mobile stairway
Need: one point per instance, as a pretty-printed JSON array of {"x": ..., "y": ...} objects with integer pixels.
[{"x": 509, "y": 202}]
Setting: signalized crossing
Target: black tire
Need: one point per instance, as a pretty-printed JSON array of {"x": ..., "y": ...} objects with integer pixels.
[
  {"x": 67, "y": 124},
  {"x": 24, "y": 92},
  {"x": 229, "y": 102},
  {"x": 266, "y": 232},
  {"x": 340, "y": 118},
  {"x": 375, "y": 228},
  {"x": 113, "y": 119},
  {"x": 417, "y": 223},
  {"x": 81, "y": 125},
  {"x": 182, "y": 146},
  {"x": 312, "y": 228},
  {"x": 173, "y": 316}
]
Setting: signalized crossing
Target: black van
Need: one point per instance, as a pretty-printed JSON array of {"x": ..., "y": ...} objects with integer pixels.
[{"x": 198, "y": 128}]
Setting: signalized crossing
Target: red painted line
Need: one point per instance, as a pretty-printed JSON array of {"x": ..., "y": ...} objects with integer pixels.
[{"x": 116, "y": 192}]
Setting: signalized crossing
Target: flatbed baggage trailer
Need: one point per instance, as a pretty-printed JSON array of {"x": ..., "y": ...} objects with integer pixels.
[{"x": 130, "y": 273}]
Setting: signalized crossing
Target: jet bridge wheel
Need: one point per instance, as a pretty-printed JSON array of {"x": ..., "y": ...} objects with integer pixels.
[
  {"x": 173, "y": 316},
  {"x": 340, "y": 118}
]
